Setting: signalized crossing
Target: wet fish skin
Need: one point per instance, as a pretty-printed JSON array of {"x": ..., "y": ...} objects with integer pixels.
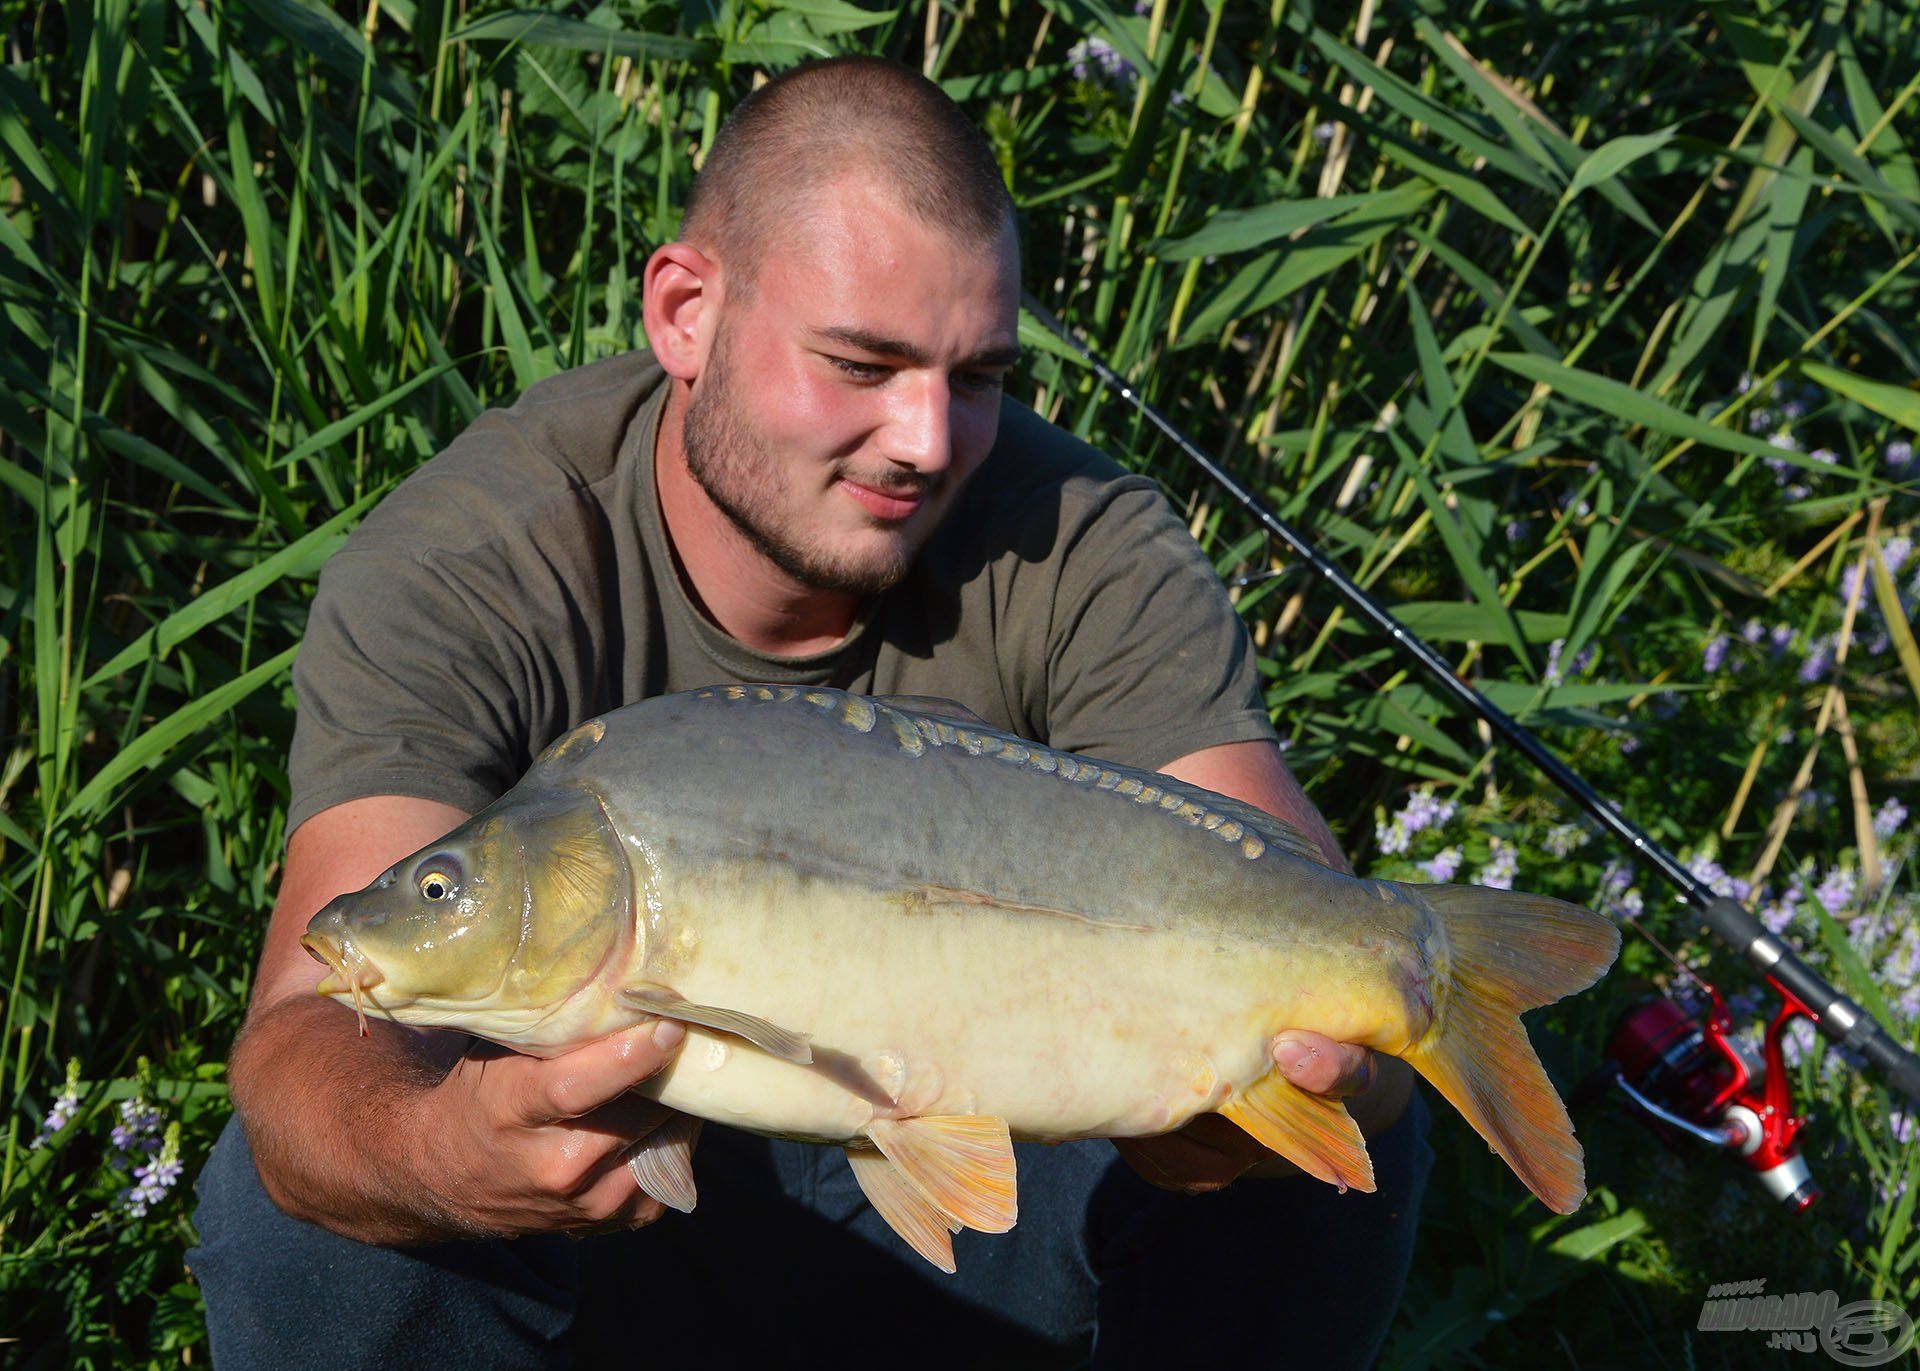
[{"x": 888, "y": 924}]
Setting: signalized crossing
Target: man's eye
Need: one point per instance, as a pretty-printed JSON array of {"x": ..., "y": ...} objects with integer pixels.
[
  {"x": 980, "y": 381},
  {"x": 860, "y": 371}
]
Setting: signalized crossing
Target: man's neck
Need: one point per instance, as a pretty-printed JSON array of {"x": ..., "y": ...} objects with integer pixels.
[{"x": 729, "y": 579}]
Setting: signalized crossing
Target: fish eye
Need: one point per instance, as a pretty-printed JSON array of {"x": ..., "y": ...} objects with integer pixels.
[{"x": 436, "y": 885}]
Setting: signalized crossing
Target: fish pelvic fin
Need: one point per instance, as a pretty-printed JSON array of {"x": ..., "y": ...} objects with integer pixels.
[
  {"x": 662, "y": 1162},
  {"x": 1501, "y": 952},
  {"x": 918, "y": 1220},
  {"x": 770, "y": 1038},
  {"x": 1313, "y": 1132},
  {"x": 961, "y": 1163}
]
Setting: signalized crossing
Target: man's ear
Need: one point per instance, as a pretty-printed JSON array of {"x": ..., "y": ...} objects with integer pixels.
[{"x": 680, "y": 306}]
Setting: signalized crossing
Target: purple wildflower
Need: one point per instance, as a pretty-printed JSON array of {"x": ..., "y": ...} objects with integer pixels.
[
  {"x": 1095, "y": 59},
  {"x": 1501, "y": 867},
  {"x": 1552, "y": 676},
  {"x": 1836, "y": 892},
  {"x": 1898, "y": 454},
  {"x": 1759, "y": 420},
  {"x": 1800, "y": 1038},
  {"x": 1900, "y": 1124},
  {"x": 1888, "y": 818},
  {"x": 1826, "y": 456},
  {"x": 1818, "y": 661},
  {"x": 1779, "y": 636},
  {"x": 1909, "y": 1003},
  {"x": 65, "y": 1105},
  {"x": 1444, "y": 866},
  {"x": 151, "y": 1182},
  {"x": 138, "y": 1127},
  {"x": 1895, "y": 551},
  {"x": 1714, "y": 655},
  {"x": 1562, "y": 839},
  {"x": 1784, "y": 441},
  {"x": 1752, "y": 631}
]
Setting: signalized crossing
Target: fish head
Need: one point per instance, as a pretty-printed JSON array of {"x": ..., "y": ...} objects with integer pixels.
[{"x": 490, "y": 929}]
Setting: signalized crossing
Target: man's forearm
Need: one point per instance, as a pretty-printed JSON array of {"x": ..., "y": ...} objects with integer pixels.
[{"x": 333, "y": 1122}]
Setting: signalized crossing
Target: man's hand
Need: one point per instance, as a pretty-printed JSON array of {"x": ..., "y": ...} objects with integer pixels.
[
  {"x": 401, "y": 1136},
  {"x": 1211, "y": 1152}
]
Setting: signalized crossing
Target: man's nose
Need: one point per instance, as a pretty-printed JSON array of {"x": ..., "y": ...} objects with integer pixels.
[{"x": 920, "y": 429}]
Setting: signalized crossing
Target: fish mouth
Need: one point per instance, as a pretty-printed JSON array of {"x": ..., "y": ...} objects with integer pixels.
[{"x": 349, "y": 972}]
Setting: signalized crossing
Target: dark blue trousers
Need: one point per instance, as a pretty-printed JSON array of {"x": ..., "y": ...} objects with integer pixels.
[{"x": 785, "y": 1253}]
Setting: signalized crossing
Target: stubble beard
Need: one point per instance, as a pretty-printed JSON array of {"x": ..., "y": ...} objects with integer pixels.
[{"x": 742, "y": 475}]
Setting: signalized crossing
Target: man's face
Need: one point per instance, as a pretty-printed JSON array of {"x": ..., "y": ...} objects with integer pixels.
[{"x": 854, "y": 388}]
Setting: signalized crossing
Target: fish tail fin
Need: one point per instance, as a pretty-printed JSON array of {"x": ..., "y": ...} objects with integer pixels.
[{"x": 1501, "y": 952}]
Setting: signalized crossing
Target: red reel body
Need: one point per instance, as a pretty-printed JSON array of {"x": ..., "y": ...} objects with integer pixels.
[{"x": 1693, "y": 1079}]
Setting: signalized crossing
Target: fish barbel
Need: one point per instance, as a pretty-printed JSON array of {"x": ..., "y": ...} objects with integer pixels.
[{"x": 893, "y": 929}]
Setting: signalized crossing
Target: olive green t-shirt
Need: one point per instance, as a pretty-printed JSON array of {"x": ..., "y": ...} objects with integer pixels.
[{"x": 521, "y": 581}]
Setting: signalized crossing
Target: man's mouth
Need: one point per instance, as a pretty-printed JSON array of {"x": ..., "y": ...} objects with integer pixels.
[{"x": 890, "y": 505}]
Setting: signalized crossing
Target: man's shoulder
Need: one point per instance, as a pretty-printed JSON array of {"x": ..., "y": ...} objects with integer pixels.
[
  {"x": 1039, "y": 488},
  {"x": 534, "y": 468}
]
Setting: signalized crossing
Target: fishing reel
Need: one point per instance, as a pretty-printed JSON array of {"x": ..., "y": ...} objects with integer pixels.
[{"x": 1685, "y": 1078}]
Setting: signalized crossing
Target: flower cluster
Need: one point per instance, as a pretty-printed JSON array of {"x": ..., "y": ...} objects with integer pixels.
[
  {"x": 1443, "y": 865},
  {"x": 1563, "y": 840},
  {"x": 65, "y": 1105},
  {"x": 1556, "y": 675},
  {"x": 1618, "y": 895},
  {"x": 1097, "y": 60},
  {"x": 1501, "y": 867},
  {"x": 152, "y": 1179},
  {"x": 139, "y": 1128},
  {"x": 1422, "y": 811}
]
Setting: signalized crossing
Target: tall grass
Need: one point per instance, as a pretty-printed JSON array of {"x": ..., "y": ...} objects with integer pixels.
[{"x": 1581, "y": 331}]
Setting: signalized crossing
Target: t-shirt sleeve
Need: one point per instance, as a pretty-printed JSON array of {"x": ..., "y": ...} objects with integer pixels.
[
  {"x": 408, "y": 683},
  {"x": 1147, "y": 660}
]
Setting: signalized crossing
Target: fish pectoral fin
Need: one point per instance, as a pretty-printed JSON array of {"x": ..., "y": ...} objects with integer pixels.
[
  {"x": 772, "y": 1039},
  {"x": 938, "y": 705},
  {"x": 662, "y": 1162},
  {"x": 1313, "y": 1132},
  {"x": 962, "y": 1163},
  {"x": 908, "y": 1212}
]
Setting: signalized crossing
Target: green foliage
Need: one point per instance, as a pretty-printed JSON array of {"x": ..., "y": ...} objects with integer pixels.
[{"x": 1576, "y": 329}]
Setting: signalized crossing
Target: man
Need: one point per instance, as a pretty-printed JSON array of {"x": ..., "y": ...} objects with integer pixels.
[{"x": 812, "y": 478}]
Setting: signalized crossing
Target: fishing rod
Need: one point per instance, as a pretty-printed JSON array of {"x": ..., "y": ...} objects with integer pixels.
[{"x": 1699, "y": 1080}]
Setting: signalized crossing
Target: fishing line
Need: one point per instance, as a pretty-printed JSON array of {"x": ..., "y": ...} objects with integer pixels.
[{"x": 1837, "y": 1017}]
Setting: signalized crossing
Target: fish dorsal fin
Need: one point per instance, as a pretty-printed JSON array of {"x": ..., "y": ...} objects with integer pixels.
[
  {"x": 772, "y": 1039},
  {"x": 934, "y": 704},
  {"x": 1313, "y": 1132},
  {"x": 909, "y": 1213},
  {"x": 962, "y": 1163},
  {"x": 662, "y": 1162}
]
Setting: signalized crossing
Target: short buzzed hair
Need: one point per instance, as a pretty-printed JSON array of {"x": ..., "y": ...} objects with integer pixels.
[{"x": 814, "y": 123}]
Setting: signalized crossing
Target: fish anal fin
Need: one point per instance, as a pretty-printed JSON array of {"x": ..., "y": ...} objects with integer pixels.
[
  {"x": 770, "y": 1038},
  {"x": 1501, "y": 952},
  {"x": 963, "y": 1163},
  {"x": 908, "y": 1212},
  {"x": 662, "y": 1162},
  {"x": 938, "y": 705},
  {"x": 1313, "y": 1132}
]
